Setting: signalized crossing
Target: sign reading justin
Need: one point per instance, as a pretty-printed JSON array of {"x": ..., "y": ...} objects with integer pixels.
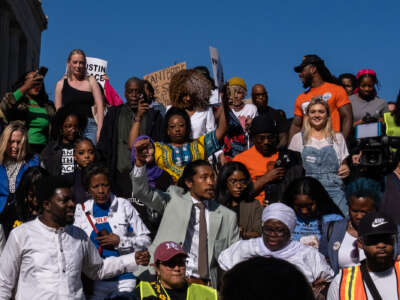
[
  {"x": 160, "y": 81},
  {"x": 217, "y": 67},
  {"x": 96, "y": 67}
]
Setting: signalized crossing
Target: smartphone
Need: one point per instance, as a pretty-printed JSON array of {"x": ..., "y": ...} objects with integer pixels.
[
  {"x": 103, "y": 232},
  {"x": 143, "y": 97},
  {"x": 43, "y": 71}
]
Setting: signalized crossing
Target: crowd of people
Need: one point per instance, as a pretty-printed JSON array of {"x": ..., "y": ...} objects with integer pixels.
[{"x": 212, "y": 196}]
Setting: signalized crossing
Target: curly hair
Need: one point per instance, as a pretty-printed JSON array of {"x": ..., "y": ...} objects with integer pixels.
[
  {"x": 364, "y": 187},
  {"x": 193, "y": 83}
]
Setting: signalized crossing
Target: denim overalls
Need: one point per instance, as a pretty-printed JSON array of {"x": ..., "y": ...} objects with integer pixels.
[{"x": 323, "y": 164}]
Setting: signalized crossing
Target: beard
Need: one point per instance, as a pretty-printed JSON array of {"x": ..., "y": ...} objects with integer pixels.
[
  {"x": 379, "y": 264},
  {"x": 307, "y": 81},
  {"x": 63, "y": 220}
]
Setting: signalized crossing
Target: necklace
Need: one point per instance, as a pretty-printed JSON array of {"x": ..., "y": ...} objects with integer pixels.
[{"x": 12, "y": 169}]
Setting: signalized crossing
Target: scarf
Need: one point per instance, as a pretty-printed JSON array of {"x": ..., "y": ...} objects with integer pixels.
[
  {"x": 285, "y": 253},
  {"x": 153, "y": 172}
]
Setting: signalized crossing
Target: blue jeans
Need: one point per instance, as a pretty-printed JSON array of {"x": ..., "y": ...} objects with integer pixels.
[{"x": 90, "y": 131}]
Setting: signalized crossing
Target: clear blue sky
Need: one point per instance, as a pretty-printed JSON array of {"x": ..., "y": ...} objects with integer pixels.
[{"x": 260, "y": 41}]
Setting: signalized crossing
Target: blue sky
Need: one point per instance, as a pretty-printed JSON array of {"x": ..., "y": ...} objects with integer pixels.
[{"x": 260, "y": 41}]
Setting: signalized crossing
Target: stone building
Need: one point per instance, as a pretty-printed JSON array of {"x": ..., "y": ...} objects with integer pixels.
[{"x": 21, "y": 26}]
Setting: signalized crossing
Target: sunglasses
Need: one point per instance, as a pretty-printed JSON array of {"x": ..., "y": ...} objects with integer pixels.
[
  {"x": 372, "y": 240},
  {"x": 172, "y": 263}
]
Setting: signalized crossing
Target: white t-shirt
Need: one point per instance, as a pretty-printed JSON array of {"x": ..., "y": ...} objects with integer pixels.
[
  {"x": 67, "y": 161},
  {"x": 346, "y": 257},
  {"x": 202, "y": 122},
  {"x": 385, "y": 283},
  {"x": 248, "y": 110},
  {"x": 296, "y": 144}
]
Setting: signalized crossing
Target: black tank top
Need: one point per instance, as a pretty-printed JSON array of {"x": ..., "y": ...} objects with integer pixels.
[{"x": 81, "y": 101}]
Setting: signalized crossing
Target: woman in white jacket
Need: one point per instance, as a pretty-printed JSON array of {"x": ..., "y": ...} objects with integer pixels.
[
  {"x": 113, "y": 225},
  {"x": 278, "y": 223}
]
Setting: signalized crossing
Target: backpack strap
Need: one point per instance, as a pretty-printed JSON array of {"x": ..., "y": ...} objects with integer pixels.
[
  {"x": 368, "y": 281},
  {"x": 329, "y": 230}
]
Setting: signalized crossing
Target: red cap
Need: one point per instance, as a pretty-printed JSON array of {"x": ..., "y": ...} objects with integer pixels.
[
  {"x": 167, "y": 250},
  {"x": 365, "y": 72}
]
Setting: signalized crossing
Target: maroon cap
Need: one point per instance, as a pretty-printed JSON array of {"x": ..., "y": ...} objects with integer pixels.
[{"x": 167, "y": 250}]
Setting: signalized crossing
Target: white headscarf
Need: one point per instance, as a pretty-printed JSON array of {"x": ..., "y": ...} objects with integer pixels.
[{"x": 280, "y": 212}]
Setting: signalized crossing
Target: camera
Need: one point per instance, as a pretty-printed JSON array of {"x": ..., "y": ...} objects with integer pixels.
[
  {"x": 377, "y": 150},
  {"x": 286, "y": 159}
]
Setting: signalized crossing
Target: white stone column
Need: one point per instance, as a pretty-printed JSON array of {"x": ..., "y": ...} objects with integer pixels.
[
  {"x": 4, "y": 49},
  {"x": 15, "y": 33}
]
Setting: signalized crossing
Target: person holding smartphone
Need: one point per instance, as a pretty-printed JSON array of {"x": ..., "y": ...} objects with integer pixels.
[
  {"x": 30, "y": 103},
  {"x": 113, "y": 144},
  {"x": 113, "y": 225}
]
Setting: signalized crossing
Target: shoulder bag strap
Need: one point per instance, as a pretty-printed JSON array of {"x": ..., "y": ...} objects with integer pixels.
[
  {"x": 368, "y": 281},
  {"x": 91, "y": 224}
]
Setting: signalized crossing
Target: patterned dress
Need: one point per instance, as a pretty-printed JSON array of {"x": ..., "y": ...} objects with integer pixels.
[{"x": 173, "y": 159}]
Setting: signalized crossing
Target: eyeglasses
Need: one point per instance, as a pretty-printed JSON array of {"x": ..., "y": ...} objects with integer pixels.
[
  {"x": 172, "y": 263},
  {"x": 242, "y": 182},
  {"x": 276, "y": 231}
]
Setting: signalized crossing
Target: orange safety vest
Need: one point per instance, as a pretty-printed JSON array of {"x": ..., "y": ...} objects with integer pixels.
[{"x": 352, "y": 285}]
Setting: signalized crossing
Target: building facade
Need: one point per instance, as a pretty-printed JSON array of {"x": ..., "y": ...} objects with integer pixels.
[{"x": 21, "y": 25}]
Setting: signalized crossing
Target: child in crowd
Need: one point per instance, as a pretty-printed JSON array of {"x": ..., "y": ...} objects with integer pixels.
[{"x": 84, "y": 154}]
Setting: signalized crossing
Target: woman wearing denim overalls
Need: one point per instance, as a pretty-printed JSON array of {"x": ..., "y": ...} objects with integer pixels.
[{"x": 323, "y": 151}]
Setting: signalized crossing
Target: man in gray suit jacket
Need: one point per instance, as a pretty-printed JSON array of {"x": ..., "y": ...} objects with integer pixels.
[{"x": 180, "y": 220}]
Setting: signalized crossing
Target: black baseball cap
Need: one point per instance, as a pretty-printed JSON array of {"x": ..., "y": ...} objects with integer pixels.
[
  {"x": 376, "y": 223},
  {"x": 263, "y": 124},
  {"x": 310, "y": 59}
]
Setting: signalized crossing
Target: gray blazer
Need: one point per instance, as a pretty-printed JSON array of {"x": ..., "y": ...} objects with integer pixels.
[{"x": 176, "y": 207}]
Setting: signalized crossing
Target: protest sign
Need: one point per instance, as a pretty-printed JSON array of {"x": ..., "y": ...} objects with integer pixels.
[
  {"x": 160, "y": 81},
  {"x": 96, "y": 67},
  {"x": 217, "y": 67}
]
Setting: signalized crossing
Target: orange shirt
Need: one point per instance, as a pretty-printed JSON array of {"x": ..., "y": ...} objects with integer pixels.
[
  {"x": 257, "y": 164},
  {"x": 334, "y": 94}
]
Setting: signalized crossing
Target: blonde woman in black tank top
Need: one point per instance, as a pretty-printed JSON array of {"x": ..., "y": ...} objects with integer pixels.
[{"x": 80, "y": 91}]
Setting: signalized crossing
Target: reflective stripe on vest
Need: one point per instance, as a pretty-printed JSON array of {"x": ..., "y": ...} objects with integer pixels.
[
  {"x": 352, "y": 285},
  {"x": 195, "y": 292}
]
